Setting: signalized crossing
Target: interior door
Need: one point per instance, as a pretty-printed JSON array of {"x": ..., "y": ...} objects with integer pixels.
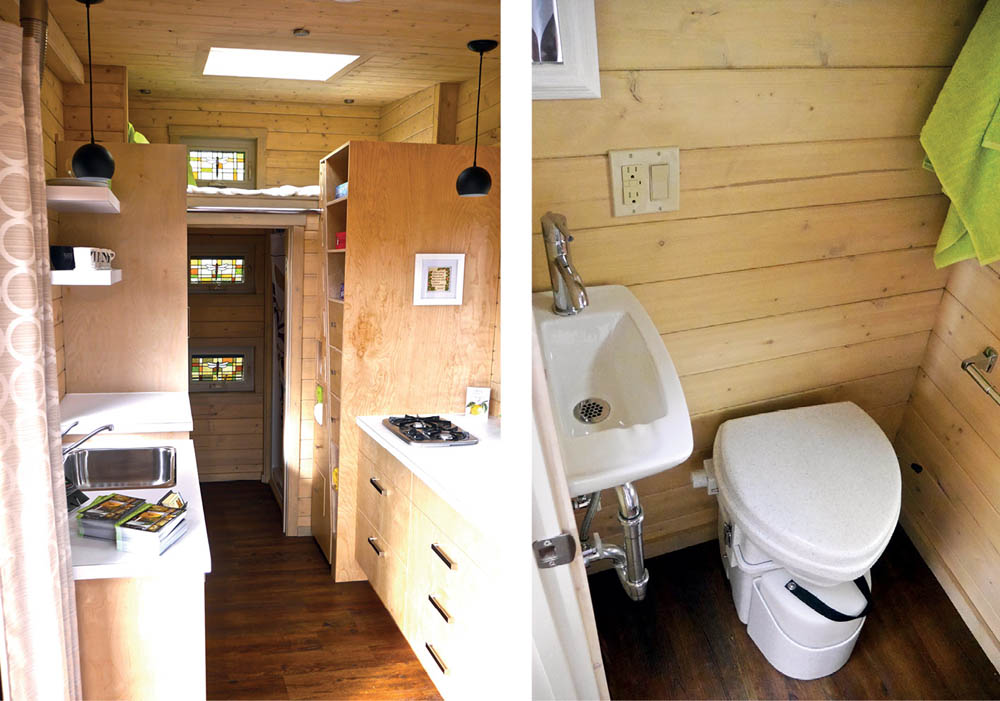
[{"x": 566, "y": 654}]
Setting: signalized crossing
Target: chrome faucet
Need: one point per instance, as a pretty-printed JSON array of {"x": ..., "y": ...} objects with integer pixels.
[
  {"x": 569, "y": 296},
  {"x": 74, "y": 446}
]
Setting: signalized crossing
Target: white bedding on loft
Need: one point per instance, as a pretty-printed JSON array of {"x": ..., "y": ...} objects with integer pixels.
[{"x": 283, "y": 191}]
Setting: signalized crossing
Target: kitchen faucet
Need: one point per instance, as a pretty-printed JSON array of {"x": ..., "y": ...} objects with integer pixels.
[
  {"x": 74, "y": 446},
  {"x": 569, "y": 296}
]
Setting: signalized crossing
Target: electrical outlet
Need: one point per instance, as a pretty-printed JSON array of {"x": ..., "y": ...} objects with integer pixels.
[
  {"x": 645, "y": 180},
  {"x": 632, "y": 184}
]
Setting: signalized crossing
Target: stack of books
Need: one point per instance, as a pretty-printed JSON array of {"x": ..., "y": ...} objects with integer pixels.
[
  {"x": 135, "y": 525},
  {"x": 150, "y": 530},
  {"x": 98, "y": 519}
]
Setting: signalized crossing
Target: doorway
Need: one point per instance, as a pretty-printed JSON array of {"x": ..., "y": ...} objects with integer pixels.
[{"x": 237, "y": 350}]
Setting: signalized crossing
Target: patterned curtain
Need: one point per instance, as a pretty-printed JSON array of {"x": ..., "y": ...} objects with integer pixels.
[{"x": 39, "y": 651}]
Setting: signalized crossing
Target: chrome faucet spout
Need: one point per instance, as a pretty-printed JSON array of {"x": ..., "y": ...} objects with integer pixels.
[
  {"x": 70, "y": 448},
  {"x": 569, "y": 296}
]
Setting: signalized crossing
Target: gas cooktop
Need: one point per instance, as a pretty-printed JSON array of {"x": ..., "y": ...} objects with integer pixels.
[{"x": 432, "y": 431}]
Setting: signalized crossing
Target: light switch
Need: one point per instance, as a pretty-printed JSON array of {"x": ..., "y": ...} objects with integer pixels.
[
  {"x": 645, "y": 180},
  {"x": 659, "y": 182}
]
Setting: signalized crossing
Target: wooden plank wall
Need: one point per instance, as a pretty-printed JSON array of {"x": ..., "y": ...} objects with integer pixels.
[
  {"x": 298, "y": 134},
  {"x": 110, "y": 106},
  {"x": 489, "y": 111},
  {"x": 312, "y": 320},
  {"x": 951, "y": 510},
  {"x": 428, "y": 116},
  {"x": 798, "y": 268},
  {"x": 229, "y": 426}
]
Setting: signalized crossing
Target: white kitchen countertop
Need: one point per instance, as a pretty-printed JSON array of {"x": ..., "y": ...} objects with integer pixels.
[
  {"x": 130, "y": 412},
  {"x": 96, "y": 558},
  {"x": 465, "y": 476}
]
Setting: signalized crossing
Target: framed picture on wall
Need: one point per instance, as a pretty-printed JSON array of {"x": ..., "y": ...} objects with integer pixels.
[{"x": 438, "y": 278}]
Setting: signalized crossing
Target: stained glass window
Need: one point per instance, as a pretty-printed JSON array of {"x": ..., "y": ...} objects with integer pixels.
[
  {"x": 226, "y": 166},
  {"x": 217, "y": 271},
  {"x": 217, "y": 368}
]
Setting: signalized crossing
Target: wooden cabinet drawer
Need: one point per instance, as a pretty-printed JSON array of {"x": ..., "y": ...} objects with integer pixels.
[
  {"x": 384, "y": 567},
  {"x": 442, "y": 570},
  {"x": 465, "y": 536},
  {"x": 384, "y": 505},
  {"x": 336, "y": 331}
]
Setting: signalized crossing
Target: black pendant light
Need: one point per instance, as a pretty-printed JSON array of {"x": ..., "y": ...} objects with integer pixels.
[
  {"x": 475, "y": 181},
  {"x": 92, "y": 160}
]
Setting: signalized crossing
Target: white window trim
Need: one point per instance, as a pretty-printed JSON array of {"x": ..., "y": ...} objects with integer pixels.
[{"x": 578, "y": 76}]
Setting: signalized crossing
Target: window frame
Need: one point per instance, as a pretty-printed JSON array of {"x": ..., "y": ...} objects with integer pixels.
[
  {"x": 208, "y": 143},
  {"x": 249, "y": 369}
]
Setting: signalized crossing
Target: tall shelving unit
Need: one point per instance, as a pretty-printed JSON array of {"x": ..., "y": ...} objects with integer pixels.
[{"x": 333, "y": 171}]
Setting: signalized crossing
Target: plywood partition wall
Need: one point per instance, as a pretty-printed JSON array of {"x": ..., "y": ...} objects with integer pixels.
[
  {"x": 951, "y": 428},
  {"x": 132, "y": 336},
  {"x": 798, "y": 267},
  {"x": 399, "y": 357}
]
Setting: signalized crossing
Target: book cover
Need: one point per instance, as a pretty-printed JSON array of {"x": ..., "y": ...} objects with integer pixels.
[
  {"x": 151, "y": 518},
  {"x": 110, "y": 507}
]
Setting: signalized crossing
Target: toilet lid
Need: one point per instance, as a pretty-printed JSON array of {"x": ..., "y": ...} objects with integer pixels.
[{"x": 818, "y": 488}]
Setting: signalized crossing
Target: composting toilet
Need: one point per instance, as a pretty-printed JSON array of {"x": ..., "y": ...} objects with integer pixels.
[{"x": 808, "y": 499}]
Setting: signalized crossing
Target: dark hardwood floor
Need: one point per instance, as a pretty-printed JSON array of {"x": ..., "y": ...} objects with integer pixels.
[
  {"x": 278, "y": 627},
  {"x": 685, "y": 641}
]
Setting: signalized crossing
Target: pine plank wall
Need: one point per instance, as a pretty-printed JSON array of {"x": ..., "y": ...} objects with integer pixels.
[{"x": 798, "y": 269}]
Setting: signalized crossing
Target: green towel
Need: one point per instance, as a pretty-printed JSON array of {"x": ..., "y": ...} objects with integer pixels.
[{"x": 962, "y": 141}]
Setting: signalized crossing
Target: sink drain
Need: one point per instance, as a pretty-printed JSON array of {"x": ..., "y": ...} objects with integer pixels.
[{"x": 591, "y": 410}]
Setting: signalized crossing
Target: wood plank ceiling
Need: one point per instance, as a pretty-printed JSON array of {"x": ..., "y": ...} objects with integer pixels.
[{"x": 404, "y": 45}]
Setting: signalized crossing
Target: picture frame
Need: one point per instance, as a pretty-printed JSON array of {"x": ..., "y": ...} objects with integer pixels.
[
  {"x": 577, "y": 75},
  {"x": 438, "y": 279}
]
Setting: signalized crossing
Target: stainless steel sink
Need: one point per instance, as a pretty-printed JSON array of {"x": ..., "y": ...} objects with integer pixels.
[{"x": 122, "y": 468}]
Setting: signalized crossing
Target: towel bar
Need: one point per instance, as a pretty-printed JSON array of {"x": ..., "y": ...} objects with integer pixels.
[{"x": 977, "y": 365}]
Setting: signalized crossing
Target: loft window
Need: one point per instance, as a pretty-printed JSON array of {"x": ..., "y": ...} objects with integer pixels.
[
  {"x": 222, "y": 162},
  {"x": 228, "y": 166},
  {"x": 221, "y": 369},
  {"x": 218, "y": 271}
]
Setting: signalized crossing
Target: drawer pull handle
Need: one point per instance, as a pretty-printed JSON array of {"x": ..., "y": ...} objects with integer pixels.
[
  {"x": 439, "y": 608},
  {"x": 378, "y": 487},
  {"x": 437, "y": 658},
  {"x": 377, "y": 549},
  {"x": 452, "y": 565}
]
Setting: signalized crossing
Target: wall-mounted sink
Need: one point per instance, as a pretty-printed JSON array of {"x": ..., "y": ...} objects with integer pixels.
[
  {"x": 620, "y": 411},
  {"x": 122, "y": 468}
]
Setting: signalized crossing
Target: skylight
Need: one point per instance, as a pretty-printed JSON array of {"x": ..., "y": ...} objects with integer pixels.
[{"x": 288, "y": 65}]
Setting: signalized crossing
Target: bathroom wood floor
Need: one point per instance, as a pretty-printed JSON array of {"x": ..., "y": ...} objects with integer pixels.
[
  {"x": 278, "y": 627},
  {"x": 685, "y": 640}
]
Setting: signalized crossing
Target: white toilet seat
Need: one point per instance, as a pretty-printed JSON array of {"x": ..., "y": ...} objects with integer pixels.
[{"x": 816, "y": 488}]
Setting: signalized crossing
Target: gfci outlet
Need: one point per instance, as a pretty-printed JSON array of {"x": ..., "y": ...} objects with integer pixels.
[{"x": 645, "y": 180}]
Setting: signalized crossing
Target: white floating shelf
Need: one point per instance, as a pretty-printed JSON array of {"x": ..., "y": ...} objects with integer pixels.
[
  {"x": 75, "y": 198},
  {"x": 86, "y": 277}
]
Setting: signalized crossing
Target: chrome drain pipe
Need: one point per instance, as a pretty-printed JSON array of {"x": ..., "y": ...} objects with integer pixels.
[
  {"x": 631, "y": 517},
  {"x": 629, "y": 561}
]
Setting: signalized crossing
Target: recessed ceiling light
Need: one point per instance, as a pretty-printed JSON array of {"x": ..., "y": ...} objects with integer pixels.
[
  {"x": 145, "y": 91},
  {"x": 289, "y": 65},
  {"x": 300, "y": 32},
  {"x": 348, "y": 100}
]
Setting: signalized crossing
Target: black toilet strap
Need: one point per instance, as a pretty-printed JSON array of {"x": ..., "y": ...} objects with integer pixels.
[{"x": 810, "y": 600}]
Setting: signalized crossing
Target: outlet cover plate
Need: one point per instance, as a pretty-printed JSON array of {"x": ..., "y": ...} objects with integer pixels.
[{"x": 645, "y": 159}]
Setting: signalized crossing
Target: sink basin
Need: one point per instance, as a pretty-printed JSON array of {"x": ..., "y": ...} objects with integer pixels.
[
  {"x": 619, "y": 408},
  {"x": 122, "y": 468}
]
